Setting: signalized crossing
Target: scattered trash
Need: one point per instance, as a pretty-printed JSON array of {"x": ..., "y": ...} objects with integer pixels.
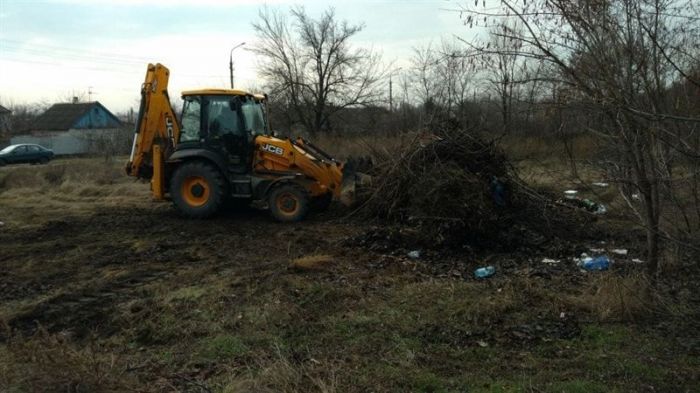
[
  {"x": 600, "y": 184},
  {"x": 619, "y": 251},
  {"x": 415, "y": 254},
  {"x": 2, "y": 224},
  {"x": 482, "y": 343},
  {"x": 562, "y": 315},
  {"x": 637, "y": 260},
  {"x": 484, "y": 272},
  {"x": 601, "y": 209},
  {"x": 597, "y": 250},
  {"x": 570, "y": 194},
  {"x": 597, "y": 263},
  {"x": 550, "y": 261},
  {"x": 635, "y": 197},
  {"x": 587, "y": 204}
]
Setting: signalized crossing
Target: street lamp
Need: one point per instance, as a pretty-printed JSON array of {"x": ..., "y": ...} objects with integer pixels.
[
  {"x": 230, "y": 61},
  {"x": 391, "y": 98}
]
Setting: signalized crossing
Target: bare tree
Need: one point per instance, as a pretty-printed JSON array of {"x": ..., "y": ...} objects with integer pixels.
[
  {"x": 503, "y": 67},
  {"x": 441, "y": 78},
  {"x": 312, "y": 66},
  {"x": 618, "y": 60}
]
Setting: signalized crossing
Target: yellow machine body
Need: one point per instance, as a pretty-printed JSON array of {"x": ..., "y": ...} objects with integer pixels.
[{"x": 157, "y": 153}]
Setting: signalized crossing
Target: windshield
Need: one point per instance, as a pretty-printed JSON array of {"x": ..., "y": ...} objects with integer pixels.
[
  {"x": 223, "y": 118},
  {"x": 8, "y": 149},
  {"x": 254, "y": 116}
]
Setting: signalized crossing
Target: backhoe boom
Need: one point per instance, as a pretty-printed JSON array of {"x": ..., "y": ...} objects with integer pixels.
[{"x": 156, "y": 125}]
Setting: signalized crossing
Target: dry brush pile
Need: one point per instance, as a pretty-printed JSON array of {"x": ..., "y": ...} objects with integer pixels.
[{"x": 453, "y": 188}]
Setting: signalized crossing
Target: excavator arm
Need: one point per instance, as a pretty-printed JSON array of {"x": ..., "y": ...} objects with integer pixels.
[{"x": 157, "y": 130}]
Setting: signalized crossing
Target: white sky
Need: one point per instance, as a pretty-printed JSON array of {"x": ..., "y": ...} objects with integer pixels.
[{"x": 51, "y": 50}]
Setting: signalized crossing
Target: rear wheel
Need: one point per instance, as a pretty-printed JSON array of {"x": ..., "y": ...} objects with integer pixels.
[
  {"x": 288, "y": 203},
  {"x": 197, "y": 189},
  {"x": 3, "y": 163}
]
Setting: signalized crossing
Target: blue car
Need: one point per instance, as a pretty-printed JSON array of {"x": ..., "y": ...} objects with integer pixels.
[{"x": 25, "y": 153}]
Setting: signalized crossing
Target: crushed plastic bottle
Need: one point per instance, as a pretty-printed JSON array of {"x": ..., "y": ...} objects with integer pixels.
[
  {"x": 415, "y": 254},
  {"x": 484, "y": 272},
  {"x": 597, "y": 263}
]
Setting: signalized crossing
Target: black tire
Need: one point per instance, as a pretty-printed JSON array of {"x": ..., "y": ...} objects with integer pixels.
[
  {"x": 3, "y": 163},
  {"x": 322, "y": 203},
  {"x": 43, "y": 160},
  {"x": 198, "y": 189},
  {"x": 288, "y": 203}
]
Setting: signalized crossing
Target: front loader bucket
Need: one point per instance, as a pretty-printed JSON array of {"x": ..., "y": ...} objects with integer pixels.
[{"x": 351, "y": 181}]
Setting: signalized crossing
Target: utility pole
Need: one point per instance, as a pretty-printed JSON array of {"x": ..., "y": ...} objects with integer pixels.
[
  {"x": 230, "y": 61},
  {"x": 391, "y": 95}
]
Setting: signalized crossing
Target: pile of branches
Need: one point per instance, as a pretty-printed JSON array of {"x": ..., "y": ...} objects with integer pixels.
[{"x": 455, "y": 188}]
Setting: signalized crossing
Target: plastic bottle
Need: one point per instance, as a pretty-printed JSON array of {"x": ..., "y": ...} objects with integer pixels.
[
  {"x": 597, "y": 263},
  {"x": 484, "y": 272},
  {"x": 414, "y": 254}
]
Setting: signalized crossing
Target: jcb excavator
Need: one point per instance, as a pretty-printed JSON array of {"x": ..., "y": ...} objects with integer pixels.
[{"x": 221, "y": 149}]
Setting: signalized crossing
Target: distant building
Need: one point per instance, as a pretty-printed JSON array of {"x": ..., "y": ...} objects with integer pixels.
[{"x": 75, "y": 128}]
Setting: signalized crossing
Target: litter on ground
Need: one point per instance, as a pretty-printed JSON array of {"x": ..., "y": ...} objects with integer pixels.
[{"x": 550, "y": 261}]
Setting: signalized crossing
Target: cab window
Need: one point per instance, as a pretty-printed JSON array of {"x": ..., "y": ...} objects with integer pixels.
[
  {"x": 191, "y": 119},
  {"x": 223, "y": 118}
]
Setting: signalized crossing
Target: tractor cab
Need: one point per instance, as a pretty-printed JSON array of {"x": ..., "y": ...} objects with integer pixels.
[{"x": 224, "y": 122}]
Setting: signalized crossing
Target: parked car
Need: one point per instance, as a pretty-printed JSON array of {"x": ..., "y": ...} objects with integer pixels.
[{"x": 25, "y": 153}]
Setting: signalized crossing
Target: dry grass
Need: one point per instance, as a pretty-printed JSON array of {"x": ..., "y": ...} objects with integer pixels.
[
  {"x": 614, "y": 298},
  {"x": 280, "y": 374},
  {"x": 50, "y": 363},
  {"x": 66, "y": 187},
  {"x": 343, "y": 147}
]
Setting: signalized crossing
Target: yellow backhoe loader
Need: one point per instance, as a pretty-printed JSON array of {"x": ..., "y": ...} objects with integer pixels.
[{"x": 221, "y": 149}]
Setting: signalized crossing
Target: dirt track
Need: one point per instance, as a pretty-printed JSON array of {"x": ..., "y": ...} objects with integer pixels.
[{"x": 95, "y": 263}]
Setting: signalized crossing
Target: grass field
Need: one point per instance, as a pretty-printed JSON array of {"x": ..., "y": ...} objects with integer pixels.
[{"x": 104, "y": 290}]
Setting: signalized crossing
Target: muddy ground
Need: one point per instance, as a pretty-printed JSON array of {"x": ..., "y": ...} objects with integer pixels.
[{"x": 124, "y": 295}]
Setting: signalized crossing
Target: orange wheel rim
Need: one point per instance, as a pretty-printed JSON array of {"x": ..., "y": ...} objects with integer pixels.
[
  {"x": 287, "y": 203},
  {"x": 195, "y": 191}
]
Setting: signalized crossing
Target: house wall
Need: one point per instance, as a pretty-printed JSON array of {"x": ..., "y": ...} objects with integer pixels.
[
  {"x": 112, "y": 141},
  {"x": 96, "y": 118}
]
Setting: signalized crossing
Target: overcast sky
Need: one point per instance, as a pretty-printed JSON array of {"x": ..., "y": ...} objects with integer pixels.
[{"x": 53, "y": 49}]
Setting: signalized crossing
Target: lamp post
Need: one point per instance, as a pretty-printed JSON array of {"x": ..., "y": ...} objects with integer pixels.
[
  {"x": 230, "y": 61},
  {"x": 391, "y": 97}
]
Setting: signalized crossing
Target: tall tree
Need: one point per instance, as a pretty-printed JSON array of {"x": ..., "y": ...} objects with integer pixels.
[{"x": 311, "y": 65}]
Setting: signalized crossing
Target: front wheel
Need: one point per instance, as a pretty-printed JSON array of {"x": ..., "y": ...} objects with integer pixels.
[
  {"x": 197, "y": 189},
  {"x": 288, "y": 203}
]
